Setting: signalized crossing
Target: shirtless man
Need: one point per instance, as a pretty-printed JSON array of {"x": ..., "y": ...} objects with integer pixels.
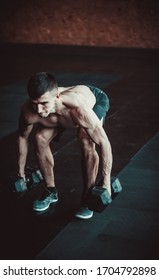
[{"x": 53, "y": 109}]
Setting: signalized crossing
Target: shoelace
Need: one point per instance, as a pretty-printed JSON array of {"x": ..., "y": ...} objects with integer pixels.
[{"x": 45, "y": 195}]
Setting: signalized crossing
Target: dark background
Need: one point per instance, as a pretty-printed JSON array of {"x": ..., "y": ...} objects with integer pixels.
[{"x": 109, "y": 23}]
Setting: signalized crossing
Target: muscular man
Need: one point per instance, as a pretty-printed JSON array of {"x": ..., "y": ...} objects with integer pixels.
[{"x": 54, "y": 109}]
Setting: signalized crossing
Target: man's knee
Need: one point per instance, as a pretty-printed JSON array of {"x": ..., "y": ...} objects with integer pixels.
[
  {"x": 41, "y": 140},
  {"x": 44, "y": 136}
]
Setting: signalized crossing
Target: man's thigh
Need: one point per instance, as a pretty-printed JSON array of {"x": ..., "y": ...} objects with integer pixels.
[{"x": 46, "y": 134}]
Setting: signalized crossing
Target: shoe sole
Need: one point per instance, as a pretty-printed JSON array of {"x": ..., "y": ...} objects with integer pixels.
[
  {"x": 43, "y": 209},
  {"x": 83, "y": 217}
]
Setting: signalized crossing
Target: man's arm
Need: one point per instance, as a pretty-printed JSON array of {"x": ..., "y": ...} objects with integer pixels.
[
  {"x": 24, "y": 131},
  {"x": 98, "y": 135},
  {"x": 87, "y": 119}
]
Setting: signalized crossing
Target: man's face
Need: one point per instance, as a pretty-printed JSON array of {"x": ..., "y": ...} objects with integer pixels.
[{"x": 45, "y": 104}]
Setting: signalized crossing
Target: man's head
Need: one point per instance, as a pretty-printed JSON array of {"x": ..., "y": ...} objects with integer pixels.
[{"x": 42, "y": 90}]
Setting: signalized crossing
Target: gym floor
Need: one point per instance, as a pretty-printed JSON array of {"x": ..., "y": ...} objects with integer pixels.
[{"x": 128, "y": 228}]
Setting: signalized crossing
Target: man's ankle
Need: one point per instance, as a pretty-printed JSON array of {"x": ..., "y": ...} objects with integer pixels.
[{"x": 50, "y": 189}]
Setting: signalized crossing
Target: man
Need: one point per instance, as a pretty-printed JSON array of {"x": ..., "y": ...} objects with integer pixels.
[{"x": 54, "y": 109}]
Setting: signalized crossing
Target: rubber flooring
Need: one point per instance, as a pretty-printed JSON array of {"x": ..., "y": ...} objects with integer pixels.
[{"x": 130, "y": 78}]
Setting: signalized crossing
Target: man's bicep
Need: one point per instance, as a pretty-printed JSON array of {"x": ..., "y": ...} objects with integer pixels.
[{"x": 85, "y": 118}]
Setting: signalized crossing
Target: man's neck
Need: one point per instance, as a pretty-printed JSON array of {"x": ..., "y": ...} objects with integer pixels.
[{"x": 58, "y": 105}]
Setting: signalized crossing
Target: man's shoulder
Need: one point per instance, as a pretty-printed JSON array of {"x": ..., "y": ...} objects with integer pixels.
[
  {"x": 73, "y": 89},
  {"x": 27, "y": 113},
  {"x": 26, "y": 108}
]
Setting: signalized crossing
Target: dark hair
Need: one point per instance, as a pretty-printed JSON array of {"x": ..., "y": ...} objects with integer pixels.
[{"x": 40, "y": 83}]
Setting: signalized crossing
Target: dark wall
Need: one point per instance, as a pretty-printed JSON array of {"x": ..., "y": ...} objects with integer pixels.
[{"x": 117, "y": 23}]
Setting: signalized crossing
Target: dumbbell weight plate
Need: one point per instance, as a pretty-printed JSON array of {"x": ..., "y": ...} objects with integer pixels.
[
  {"x": 99, "y": 198},
  {"x": 20, "y": 185}
]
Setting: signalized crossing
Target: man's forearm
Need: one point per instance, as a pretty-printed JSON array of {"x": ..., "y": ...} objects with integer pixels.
[
  {"x": 22, "y": 155},
  {"x": 98, "y": 135},
  {"x": 106, "y": 163}
]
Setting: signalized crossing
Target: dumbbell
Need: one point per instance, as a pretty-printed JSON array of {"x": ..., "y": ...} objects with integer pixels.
[
  {"x": 99, "y": 198},
  {"x": 20, "y": 185},
  {"x": 33, "y": 177}
]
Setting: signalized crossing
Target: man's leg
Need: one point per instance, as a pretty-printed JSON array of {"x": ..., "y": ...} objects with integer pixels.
[
  {"x": 44, "y": 155},
  {"x": 90, "y": 164},
  {"x": 46, "y": 164}
]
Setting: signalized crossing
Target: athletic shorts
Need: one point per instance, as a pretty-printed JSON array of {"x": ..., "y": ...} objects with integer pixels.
[{"x": 101, "y": 106}]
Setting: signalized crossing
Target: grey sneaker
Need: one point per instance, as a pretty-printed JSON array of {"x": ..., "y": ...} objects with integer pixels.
[
  {"x": 84, "y": 213},
  {"x": 44, "y": 202}
]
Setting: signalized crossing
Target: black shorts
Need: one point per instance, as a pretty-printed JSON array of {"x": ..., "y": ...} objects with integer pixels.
[{"x": 102, "y": 102}]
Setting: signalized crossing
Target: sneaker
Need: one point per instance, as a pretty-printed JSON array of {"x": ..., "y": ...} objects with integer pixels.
[
  {"x": 84, "y": 213},
  {"x": 46, "y": 199}
]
